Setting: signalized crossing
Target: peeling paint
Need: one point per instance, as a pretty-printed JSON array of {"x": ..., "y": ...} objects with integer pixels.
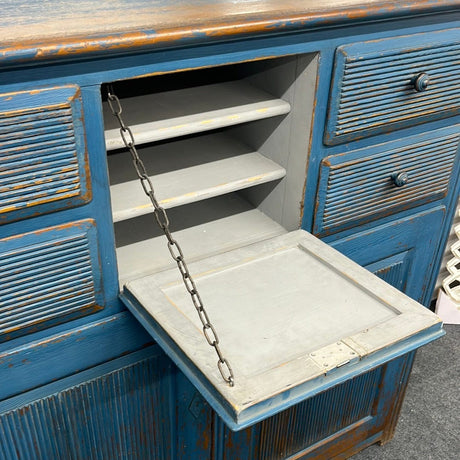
[{"x": 165, "y": 24}]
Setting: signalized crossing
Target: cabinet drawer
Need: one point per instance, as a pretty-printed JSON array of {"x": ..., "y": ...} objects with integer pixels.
[
  {"x": 48, "y": 277},
  {"x": 379, "y": 86},
  {"x": 364, "y": 185},
  {"x": 43, "y": 164}
]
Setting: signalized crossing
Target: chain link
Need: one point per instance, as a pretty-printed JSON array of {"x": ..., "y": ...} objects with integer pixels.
[{"x": 174, "y": 248}]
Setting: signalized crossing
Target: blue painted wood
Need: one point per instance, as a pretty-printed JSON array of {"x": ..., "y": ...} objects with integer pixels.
[
  {"x": 134, "y": 404},
  {"x": 48, "y": 277},
  {"x": 373, "y": 85},
  {"x": 356, "y": 410},
  {"x": 406, "y": 245},
  {"x": 393, "y": 269},
  {"x": 53, "y": 357},
  {"x": 43, "y": 165},
  {"x": 100, "y": 206},
  {"x": 132, "y": 63},
  {"x": 120, "y": 413},
  {"x": 82, "y": 29},
  {"x": 359, "y": 186},
  {"x": 351, "y": 401},
  {"x": 363, "y": 414},
  {"x": 321, "y": 151},
  {"x": 196, "y": 425},
  {"x": 344, "y": 407},
  {"x": 451, "y": 205},
  {"x": 66, "y": 351},
  {"x": 392, "y": 391}
]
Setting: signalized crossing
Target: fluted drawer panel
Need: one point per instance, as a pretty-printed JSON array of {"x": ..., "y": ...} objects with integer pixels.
[
  {"x": 122, "y": 414},
  {"x": 373, "y": 85},
  {"x": 317, "y": 418},
  {"x": 358, "y": 187},
  {"x": 42, "y": 152},
  {"x": 48, "y": 277}
]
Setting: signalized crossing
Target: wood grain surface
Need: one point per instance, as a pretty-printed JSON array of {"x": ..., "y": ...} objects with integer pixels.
[{"x": 35, "y": 30}]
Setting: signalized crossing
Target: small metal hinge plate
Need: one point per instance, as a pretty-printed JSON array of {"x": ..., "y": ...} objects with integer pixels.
[{"x": 333, "y": 356}]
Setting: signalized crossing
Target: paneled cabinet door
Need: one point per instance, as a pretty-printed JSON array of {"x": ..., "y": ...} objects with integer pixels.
[{"x": 400, "y": 252}]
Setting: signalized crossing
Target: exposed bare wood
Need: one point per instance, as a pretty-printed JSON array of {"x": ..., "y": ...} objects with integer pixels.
[{"x": 40, "y": 30}]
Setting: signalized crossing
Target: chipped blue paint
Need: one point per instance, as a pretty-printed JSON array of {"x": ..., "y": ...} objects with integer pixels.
[
  {"x": 410, "y": 240},
  {"x": 44, "y": 152},
  {"x": 55, "y": 369},
  {"x": 357, "y": 186},
  {"x": 215, "y": 28},
  {"x": 373, "y": 85}
]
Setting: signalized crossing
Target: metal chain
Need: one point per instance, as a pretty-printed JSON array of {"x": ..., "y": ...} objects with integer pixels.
[{"x": 174, "y": 248}]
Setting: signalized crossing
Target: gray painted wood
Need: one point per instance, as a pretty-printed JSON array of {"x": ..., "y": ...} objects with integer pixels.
[
  {"x": 286, "y": 141},
  {"x": 170, "y": 114},
  {"x": 194, "y": 168},
  {"x": 186, "y": 171},
  {"x": 280, "y": 306},
  {"x": 204, "y": 228}
]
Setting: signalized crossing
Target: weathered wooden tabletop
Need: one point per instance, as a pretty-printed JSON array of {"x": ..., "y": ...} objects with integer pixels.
[{"x": 37, "y": 29}]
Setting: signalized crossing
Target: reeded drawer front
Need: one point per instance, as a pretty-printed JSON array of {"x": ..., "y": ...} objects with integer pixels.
[
  {"x": 379, "y": 86},
  {"x": 364, "y": 185},
  {"x": 43, "y": 165},
  {"x": 48, "y": 277}
]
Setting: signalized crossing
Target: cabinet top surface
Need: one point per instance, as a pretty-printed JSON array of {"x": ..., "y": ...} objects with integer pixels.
[{"x": 36, "y": 29}]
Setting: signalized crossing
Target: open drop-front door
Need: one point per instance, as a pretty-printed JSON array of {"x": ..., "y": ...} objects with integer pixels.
[{"x": 294, "y": 317}]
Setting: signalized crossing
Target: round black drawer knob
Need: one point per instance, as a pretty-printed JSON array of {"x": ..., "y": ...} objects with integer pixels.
[
  {"x": 421, "y": 82},
  {"x": 400, "y": 179}
]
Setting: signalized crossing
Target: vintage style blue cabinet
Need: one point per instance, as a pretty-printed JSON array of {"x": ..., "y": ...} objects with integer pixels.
[{"x": 258, "y": 119}]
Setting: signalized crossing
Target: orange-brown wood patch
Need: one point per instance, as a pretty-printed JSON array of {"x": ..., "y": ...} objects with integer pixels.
[{"x": 54, "y": 28}]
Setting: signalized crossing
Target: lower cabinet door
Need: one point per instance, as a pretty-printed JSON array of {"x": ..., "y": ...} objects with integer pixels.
[
  {"x": 141, "y": 407},
  {"x": 401, "y": 252}
]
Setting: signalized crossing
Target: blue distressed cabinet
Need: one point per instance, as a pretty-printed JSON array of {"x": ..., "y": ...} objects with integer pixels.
[{"x": 340, "y": 120}]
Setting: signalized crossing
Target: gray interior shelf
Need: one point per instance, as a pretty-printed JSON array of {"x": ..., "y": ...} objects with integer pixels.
[
  {"x": 170, "y": 114},
  {"x": 186, "y": 171},
  {"x": 205, "y": 228}
]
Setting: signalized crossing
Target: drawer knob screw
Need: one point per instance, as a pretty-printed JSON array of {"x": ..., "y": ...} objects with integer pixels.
[
  {"x": 400, "y": 179},
  {"x": 421, "y": 82}
]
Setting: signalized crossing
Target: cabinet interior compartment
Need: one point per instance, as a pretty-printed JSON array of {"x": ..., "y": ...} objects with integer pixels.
[
  {"x": 226, "y": 149},
  {"x": 232, "y": 179}
]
